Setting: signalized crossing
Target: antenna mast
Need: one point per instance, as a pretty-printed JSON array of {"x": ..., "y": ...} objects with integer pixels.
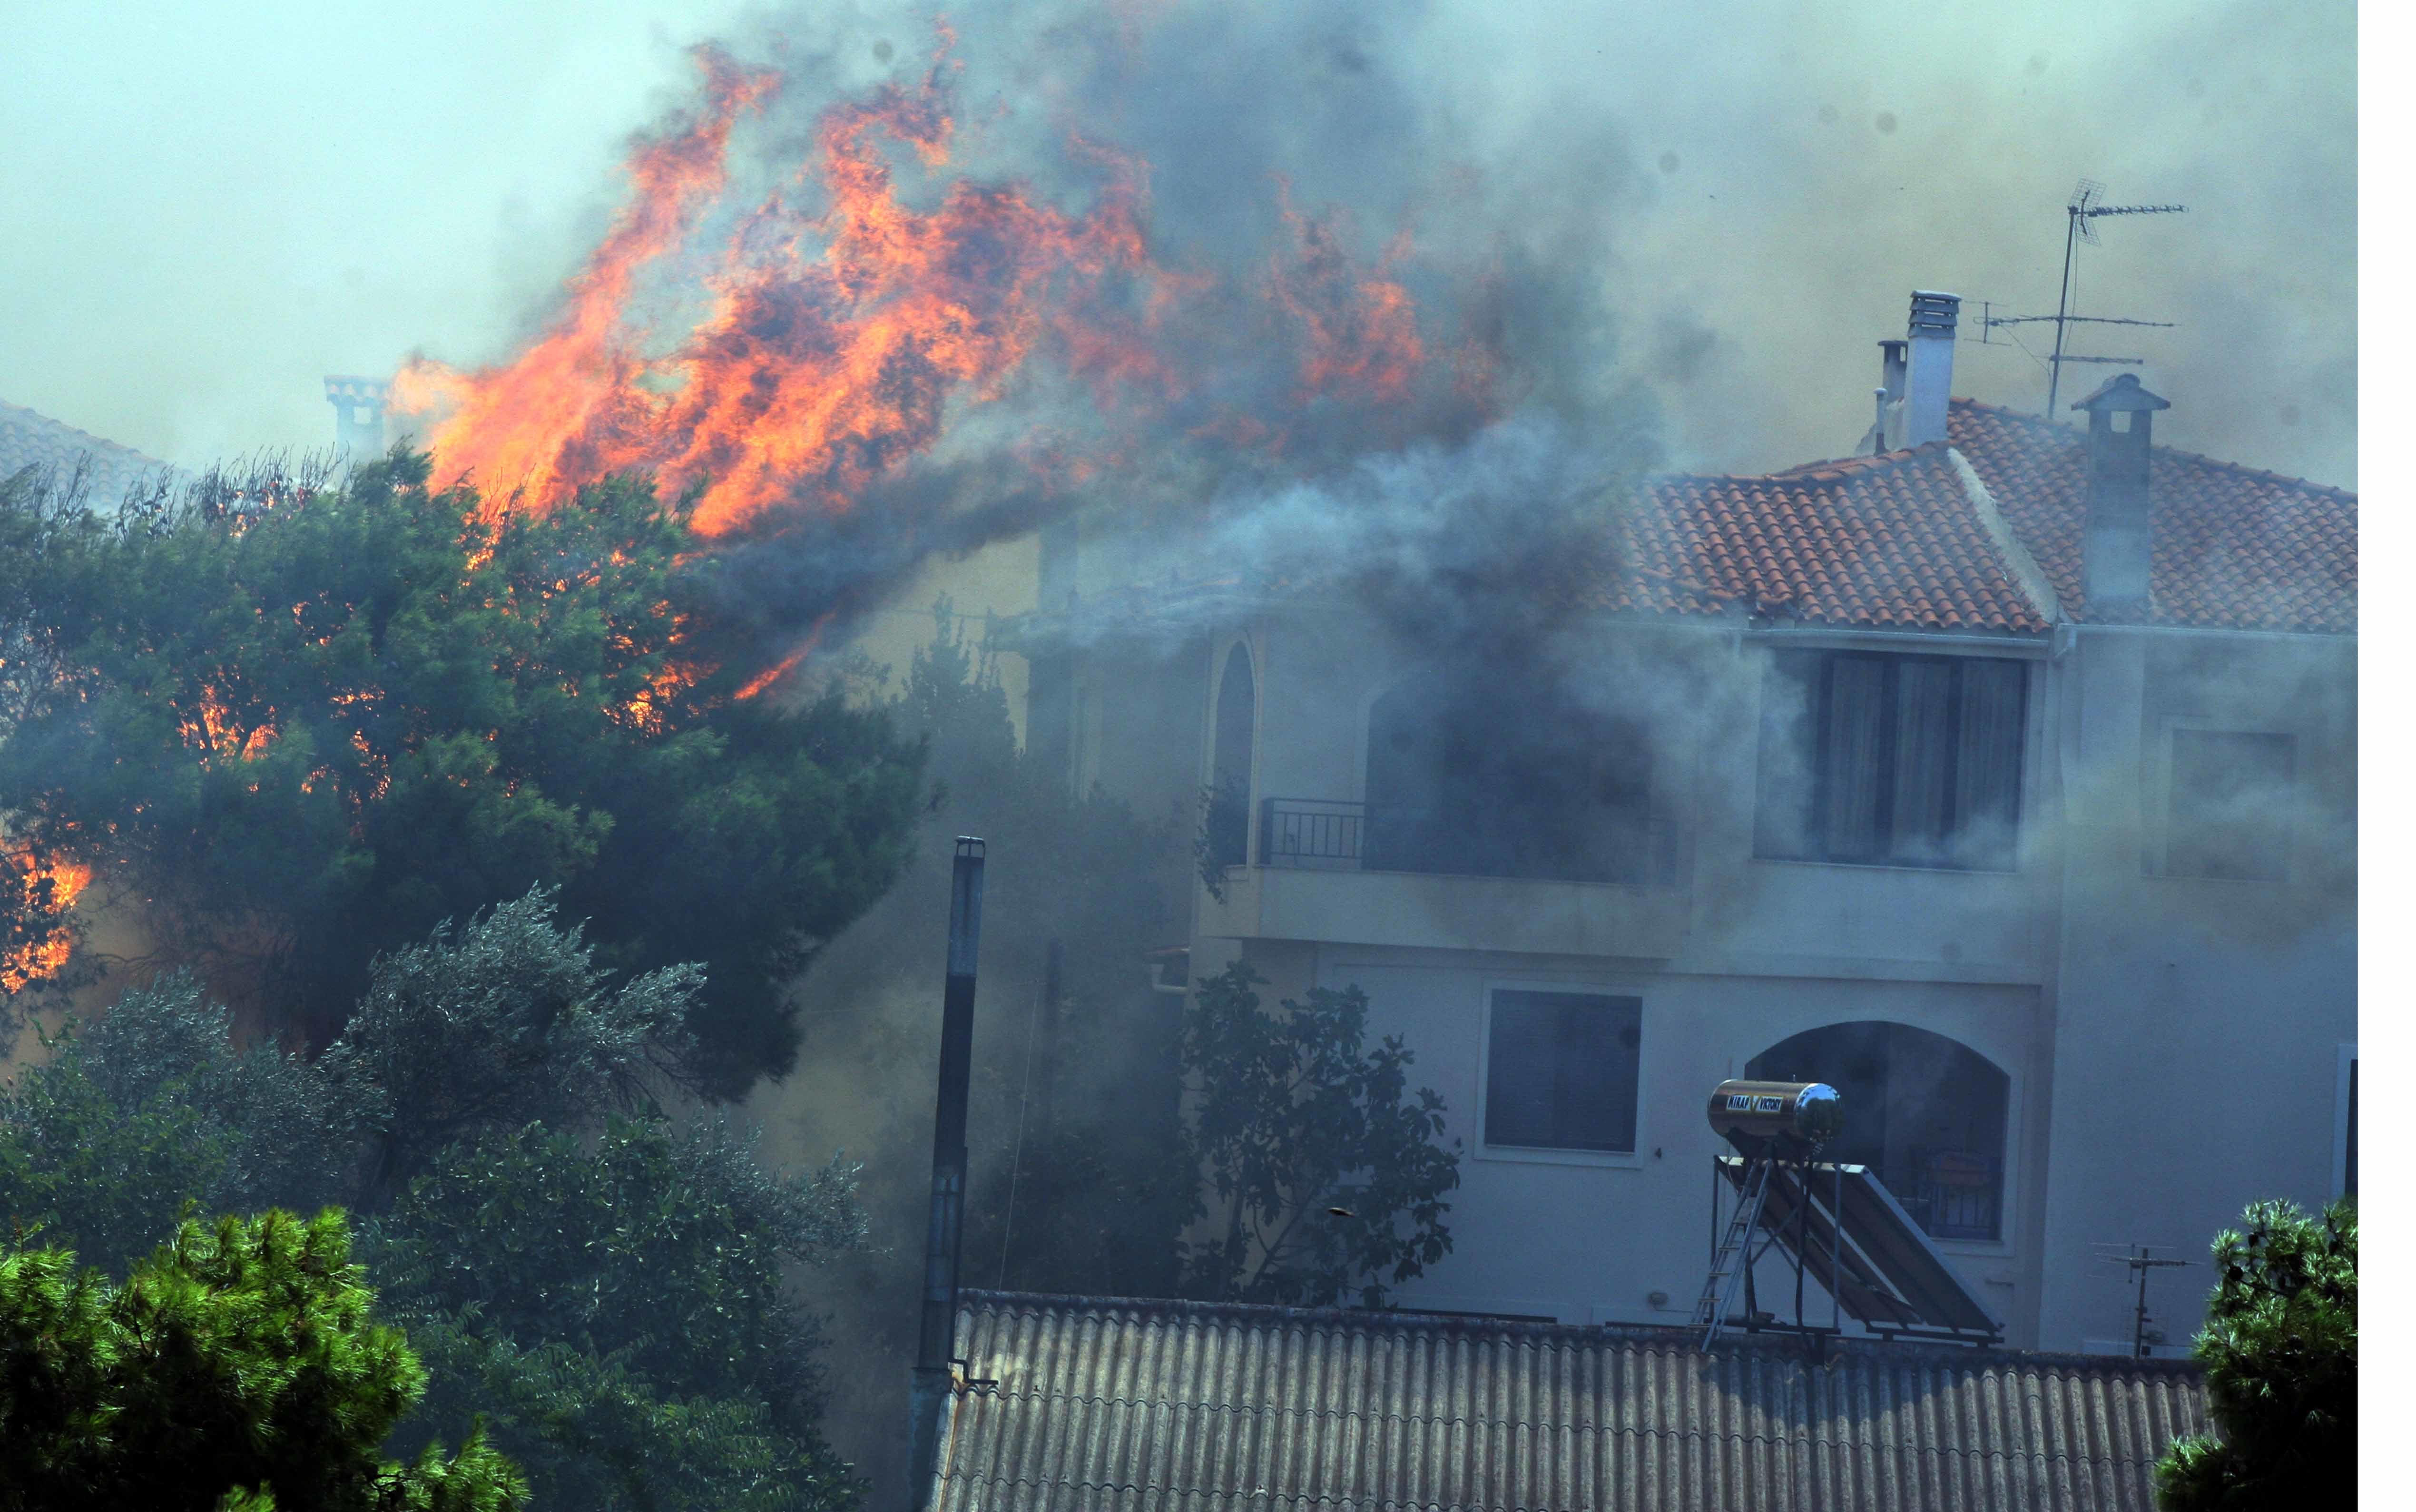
[{"x": 2079, "y": 216}]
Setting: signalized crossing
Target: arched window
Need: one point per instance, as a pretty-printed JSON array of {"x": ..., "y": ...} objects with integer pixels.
[
  {"x": 1500, "y": 778},
  {"x": 1229, "y": 779},
  {"x": 1925, "y": 1112}
]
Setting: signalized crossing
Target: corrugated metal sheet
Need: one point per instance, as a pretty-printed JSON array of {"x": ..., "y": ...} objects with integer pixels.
[{"x": 1186, "y": 1407}]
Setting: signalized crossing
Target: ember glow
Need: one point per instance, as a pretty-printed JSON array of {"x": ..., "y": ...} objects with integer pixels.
[
  {"x": 829, "y": 335},
  {"x": 44, "y": 889}
]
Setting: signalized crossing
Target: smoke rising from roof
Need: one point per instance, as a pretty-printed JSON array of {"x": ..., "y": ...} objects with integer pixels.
[{"x": 426, "y": 178}]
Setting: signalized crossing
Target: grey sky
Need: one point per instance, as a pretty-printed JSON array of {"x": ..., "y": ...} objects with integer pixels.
[{"x": 209, "y": 207}]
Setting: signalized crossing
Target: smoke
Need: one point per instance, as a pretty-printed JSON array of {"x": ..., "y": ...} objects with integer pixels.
[{"x": 1416, "y": 288}]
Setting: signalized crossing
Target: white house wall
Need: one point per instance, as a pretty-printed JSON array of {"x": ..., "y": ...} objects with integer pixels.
[
  {"x": 1583, "y": 1237},
  {"x": 2173, "y": 1044}
]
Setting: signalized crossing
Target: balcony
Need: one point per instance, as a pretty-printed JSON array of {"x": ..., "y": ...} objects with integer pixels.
[
  {"x": 1606, "y": 845},
  {"x": 1344, "y": 873}
]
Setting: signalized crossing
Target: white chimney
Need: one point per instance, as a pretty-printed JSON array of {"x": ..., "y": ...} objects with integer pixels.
[{"x": 1930, "y": 366}]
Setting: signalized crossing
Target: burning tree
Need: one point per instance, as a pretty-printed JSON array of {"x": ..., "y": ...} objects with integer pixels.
[{"x": 291, "y": 725}]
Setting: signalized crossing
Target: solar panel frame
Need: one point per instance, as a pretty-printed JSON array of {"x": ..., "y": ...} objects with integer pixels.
[{"x": 1891, "y": 1277}]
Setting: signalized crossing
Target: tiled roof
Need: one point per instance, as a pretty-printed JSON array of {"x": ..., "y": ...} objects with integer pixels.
[
  {"x": 2235, "y": 548},
  {"x": 1891, "y": 540},
  {"x": 1902, "y": 540},
  {"x": 1192, "y": 1407},
  {"x": 30, "y": 439}
]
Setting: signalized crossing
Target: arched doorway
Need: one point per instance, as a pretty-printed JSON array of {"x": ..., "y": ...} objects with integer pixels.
[
  {"x": 1924, "y": 1111},
  {"x": 1229, "y": 768}
]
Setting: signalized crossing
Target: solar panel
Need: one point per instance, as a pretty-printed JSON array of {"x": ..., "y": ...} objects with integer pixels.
[{"x": 1890, "y": 1276}]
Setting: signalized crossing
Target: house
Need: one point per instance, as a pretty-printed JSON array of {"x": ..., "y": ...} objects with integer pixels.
[
  {"x": 2002, "y": 775},
  {"x": 1111, "y": 1403},
  {"x": 31, "y": 439}
]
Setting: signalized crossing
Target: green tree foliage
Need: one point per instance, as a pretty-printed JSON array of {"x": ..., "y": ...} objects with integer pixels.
[
  {"x": 303, "y": 724},
  {"x": 152, "y": 1107},
  {"x": 611, "y": 1287},
  {"x": 2280, "y": 1352},
  {"x": 1328, "y": 1177},
  {"x": 237, "y": 1366}
]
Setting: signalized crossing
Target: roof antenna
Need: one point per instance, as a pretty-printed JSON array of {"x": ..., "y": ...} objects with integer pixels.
[
  {"x": 2080, "y": 215},
  {"x": 2141, "y": 1259}
]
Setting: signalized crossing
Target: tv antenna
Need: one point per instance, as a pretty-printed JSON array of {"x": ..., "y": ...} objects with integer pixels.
[
  {"x": 2080, "y": 218},
  {"x": 2141, "y": 1259}
]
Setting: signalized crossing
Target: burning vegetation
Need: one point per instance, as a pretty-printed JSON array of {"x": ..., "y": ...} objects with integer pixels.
[{"x": 795, "y": 349}]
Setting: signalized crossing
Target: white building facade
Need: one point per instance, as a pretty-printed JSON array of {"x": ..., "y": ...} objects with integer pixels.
[{"x": 2003, "y": 778}]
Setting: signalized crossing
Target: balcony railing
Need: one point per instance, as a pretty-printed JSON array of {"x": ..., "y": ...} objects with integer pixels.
[
  {"x": 1957, "y": 1194},
  {"x": 1336, "y": 835}
]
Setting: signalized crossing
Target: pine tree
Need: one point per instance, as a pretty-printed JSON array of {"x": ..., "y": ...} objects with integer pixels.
[
  {"x": 236, "y": 1367},
  {"x": 2280, "y": 1351}
]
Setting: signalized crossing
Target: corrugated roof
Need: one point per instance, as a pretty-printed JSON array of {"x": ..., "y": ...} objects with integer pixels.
[
  {"x": 1110, "y": 1404},
  {"x": 31, "y": 439}
]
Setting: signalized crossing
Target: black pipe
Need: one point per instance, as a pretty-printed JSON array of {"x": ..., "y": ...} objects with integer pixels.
[{"x": 936, "y": 1343}]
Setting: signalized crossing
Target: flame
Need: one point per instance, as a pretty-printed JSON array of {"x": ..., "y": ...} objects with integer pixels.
[
  {"x": 1360, "y": 330},
  {"x": 514, "y": 429},
  {"x": 837, "y": 343},
  {"x": 214, "y": 728},
  {"x": 43, "y": 887},
  {"x": 771, "y": 675}
]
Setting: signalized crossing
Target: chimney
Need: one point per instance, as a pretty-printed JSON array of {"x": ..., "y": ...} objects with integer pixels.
[
  {"x": 2117, "y": 546},
  {"x": 1929, "y": 367},
  {"x": 1887, "y": 399},
  {"x": 360, "y": 416}
]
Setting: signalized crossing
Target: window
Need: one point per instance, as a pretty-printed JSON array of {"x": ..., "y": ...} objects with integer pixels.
[
  {"x": 1559, "y": 1072},
  {"x": 1926, "y": 1114},
  {"x": 1229, "y": 779},
  {"x": 1896, "y": 759},
  {"x": 2227, "y": 814}
]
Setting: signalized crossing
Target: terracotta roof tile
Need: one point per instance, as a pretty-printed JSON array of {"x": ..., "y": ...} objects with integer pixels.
[
  {"x": 31, "y": 439},
  {"x": 2235, "y": 548},
  {"x": 1896, "y": 541}
]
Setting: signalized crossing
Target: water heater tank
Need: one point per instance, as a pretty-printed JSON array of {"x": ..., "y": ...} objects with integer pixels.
[{"x": 1751, "y": 1114}]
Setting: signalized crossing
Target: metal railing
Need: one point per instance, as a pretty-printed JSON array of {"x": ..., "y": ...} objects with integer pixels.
[
  {"x": 1338, "y": 835},
  {"x": 1957, "y": 1194},
  {"x": 1316, "y": 833}
]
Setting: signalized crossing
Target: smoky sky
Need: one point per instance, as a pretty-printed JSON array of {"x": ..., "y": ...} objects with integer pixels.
[{"x": 213, "y": 207}]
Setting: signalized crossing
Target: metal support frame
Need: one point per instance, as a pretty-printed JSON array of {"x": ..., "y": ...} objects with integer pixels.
[{"x": 1734, "y": 1257}]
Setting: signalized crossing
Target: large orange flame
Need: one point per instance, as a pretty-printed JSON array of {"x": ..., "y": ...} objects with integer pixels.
[{"x": 838, "y": 343}]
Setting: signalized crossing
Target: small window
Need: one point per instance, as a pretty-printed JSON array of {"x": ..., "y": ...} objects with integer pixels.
[
  {"x": 2229, "y": 807},
  {"x": 1890, "y": 760},
  {"x": 1560, "y": 1071},
  {"x": 1228, "y": 769}
]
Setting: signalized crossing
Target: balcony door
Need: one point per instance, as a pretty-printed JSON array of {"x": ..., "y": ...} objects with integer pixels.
[{"x": 1498, "y": 777}]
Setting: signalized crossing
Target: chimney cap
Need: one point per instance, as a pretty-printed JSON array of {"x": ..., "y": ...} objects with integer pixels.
[
  {"x": 1933, "y": 312},
  {"x": 2124, "y": 391}
]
